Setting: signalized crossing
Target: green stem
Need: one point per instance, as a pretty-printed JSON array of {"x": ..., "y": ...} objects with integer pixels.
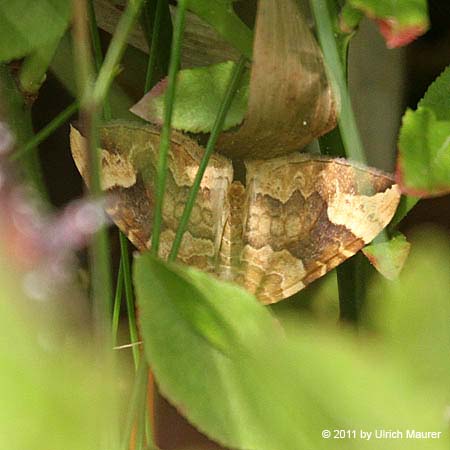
[
  {"x": 351, "y": 274},
  {"x": 134, "y": 335},
  {"x": 96, "y": 44},
  {"x": 92, "y": 98},
  {"x": 18, "y": 115},
  {"x": 154, "y": 44},
  {"x": 141, "y": 422},
  {"x": 215, "y": 132},
  {"x": 156, "y": 23},
  {"x": 166, "y": 129},
  {"x": 98, "y": 54},
  {"x": 34, "y": 68},
  {"x": 100, "y": 252},
  {"x": 352, "y": 286},
  {"x": 137, "y": 396},
  {"x": 347, "y": 123},
  {"x": 117, "y": 304},
  {"x": 100, "y": 263},
  {"x": 43, "y": 134},
  {"x": 115, "y": 51},
  {"x": 63, "y": 70}
]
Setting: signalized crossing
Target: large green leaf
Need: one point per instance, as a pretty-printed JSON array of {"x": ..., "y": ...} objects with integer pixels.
[
  {"x": 27, "y": 25},
  {"x": 423, "y": 167},
  {"x": 400, "y": 22},
  {"x": 250, "y": 385},
  {"x": 199, "y": 93}
]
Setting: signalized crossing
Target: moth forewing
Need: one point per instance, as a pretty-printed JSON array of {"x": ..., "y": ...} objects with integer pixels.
[
  {"x": 129, "y": 159},
  {"x": 308, "y": 214}
]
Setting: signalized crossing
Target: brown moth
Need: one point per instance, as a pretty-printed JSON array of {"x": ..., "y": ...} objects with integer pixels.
[{"x": 296, "y": 218}]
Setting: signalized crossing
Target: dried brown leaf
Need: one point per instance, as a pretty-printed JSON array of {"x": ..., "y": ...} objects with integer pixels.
[{"x": 291, "y": 100}]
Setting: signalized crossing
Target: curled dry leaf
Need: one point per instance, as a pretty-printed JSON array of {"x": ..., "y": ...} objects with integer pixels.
[
  {"x": 297, "y": 217},
  {"x": 291, "y": 100}
]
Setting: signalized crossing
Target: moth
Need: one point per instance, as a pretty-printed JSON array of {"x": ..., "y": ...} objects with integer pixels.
[{"x": 293, "y": 219}]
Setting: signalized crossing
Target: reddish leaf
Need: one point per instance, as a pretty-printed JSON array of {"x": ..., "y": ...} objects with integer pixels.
[{"x": 396, "y": 36}]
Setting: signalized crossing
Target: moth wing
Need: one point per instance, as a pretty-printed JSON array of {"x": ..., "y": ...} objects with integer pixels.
[
  {"x": 304, "y": 216},
  {"x": 129, "y": 155}
]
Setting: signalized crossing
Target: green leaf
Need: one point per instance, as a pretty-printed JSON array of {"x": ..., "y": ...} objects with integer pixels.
[
  {"x": 437, "y": 97},
  {"x": 201, "y": 312},
  {"x": 220, "y": 15},
  {"x": 270, "y": 389},
  {"x": 388, "y": 257},
  {"x": 400, "y": 22},
  {"x": 28, "y": 25},
  {"x": 412, "y": 314},
  {"x": 423, "y": 167},
  {"x": 198, "y": 95}
]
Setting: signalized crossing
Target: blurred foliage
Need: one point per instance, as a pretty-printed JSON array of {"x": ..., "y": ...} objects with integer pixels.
[
  {"x": 54, "y": 393},
  {"x": 412, "y": 314},
  {"x": 26, "y": 26},
  {"x": 250, "y": 385}
]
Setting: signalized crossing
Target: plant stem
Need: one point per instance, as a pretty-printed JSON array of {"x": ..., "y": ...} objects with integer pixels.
[
  {"x": 119, "y": 100},
  {"x": 141, "y": 422},
  {"x": 161, "y": 31},
  {"x": 43, "y": 134},
  {"x": 98, "y": 54},
  {"x": 18, "y": 115},
  {"x": 137, "y": 397},
  {"x": 215, "y": 132},
  {"x": 166, "y": 129},
  {"x": 99, "y": 251},
  {"x": 125, "y": 268},
  {"x": 34, "y": 68},
  {"x": 347, "y": 123},
  {"x": 132, "y": 323},
  {"x": 117, "y": 304},
  {"x": 154, "y": 45},
  {"x": 351, "y": 277},
  {"x": 115, "y": 51},
  {"x": 351, "y": 274}
]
